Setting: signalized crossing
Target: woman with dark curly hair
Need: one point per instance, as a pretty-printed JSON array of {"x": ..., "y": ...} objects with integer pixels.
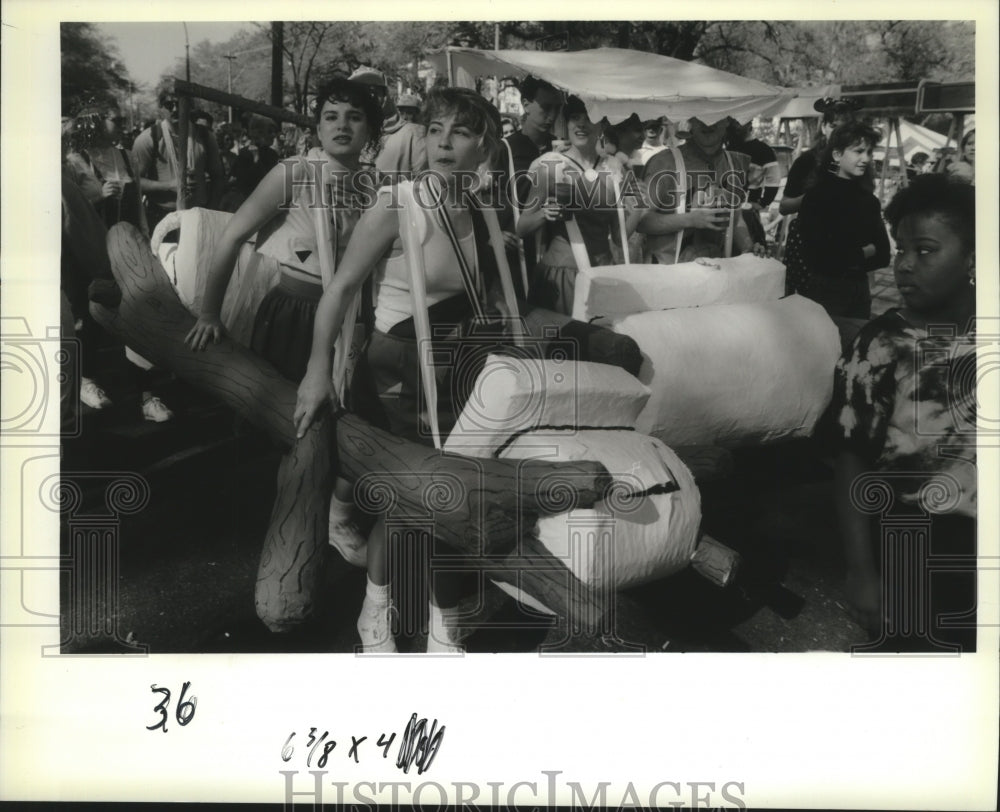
[
  {"x": 281, "y": 212},
  {"x": 308, "y": 241},
  {"x": 843, "y": 235},
  {"x": 904, "y": 408}
]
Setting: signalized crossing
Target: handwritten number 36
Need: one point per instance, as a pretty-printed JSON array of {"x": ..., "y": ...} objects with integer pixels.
[{"x": 185, "y": 708}]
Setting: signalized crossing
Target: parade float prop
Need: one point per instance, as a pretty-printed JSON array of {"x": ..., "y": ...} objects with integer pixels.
[
  {"x": 614, "y": 291},
  {"x": 482, "y": 512},
  {"x": 563, "y": 512},
  {"x": 484, "y": 508},
  {"x": 550, "y": 410}
]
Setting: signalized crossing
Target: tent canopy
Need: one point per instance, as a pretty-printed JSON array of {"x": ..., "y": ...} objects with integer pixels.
[
  {"x": 616, "y": 82},
  {"x": 805, "y": 97},
  {"x": 915, "y": 139}
]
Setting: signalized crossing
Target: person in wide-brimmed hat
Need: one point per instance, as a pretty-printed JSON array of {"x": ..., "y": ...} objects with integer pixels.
[{"x": 408, "y": 106}]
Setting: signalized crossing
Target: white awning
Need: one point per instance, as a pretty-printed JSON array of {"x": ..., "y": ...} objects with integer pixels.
[
  {"x": 616, "y": 82},
  {"x": 805, "y": 97}
]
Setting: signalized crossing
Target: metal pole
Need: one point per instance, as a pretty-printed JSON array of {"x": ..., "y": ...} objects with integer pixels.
[
  {"x": 901, "y": 156},
  {"x": 496, "y": 79},
  {"x": 277, "y": 46},
  {"x": 229, "y": 79},
  {"x": 183, "y": 170},
  {"x": 885, "y": 167},
  {"x": 187, "y": 52}
]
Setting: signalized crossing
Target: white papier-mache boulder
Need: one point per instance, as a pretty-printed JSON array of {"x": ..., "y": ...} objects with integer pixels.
[
  {"x": 648, "y": 528},
  {"x": 620, "y": 290},
  {"x": 734, "y": 374},
  {"x": 514, "y": 393},
  {"x": 188, "y": 261}
]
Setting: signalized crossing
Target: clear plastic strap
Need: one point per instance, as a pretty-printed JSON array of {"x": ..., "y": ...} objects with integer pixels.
[
  {"x": 506, "y": 282},
  {"x": 621, "y": 217},
  {"x": 410, "y": 236}
]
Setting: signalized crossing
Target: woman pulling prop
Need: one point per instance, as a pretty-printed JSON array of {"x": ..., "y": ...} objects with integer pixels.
[
  {"x": 435, "y": 280},
  {"x": 304, "y": 213}
]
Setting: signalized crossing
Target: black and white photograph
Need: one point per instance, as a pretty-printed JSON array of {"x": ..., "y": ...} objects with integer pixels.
[{"x": 505, "y": 413}]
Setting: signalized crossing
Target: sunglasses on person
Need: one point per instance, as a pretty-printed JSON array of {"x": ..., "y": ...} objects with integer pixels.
[{"x": 170, "y": 104}]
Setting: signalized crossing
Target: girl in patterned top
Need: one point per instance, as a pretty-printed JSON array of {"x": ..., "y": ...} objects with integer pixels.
[{"x": 905, "y": 409}]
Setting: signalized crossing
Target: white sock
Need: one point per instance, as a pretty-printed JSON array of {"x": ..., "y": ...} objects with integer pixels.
[
  {"x": 374, "y": 623},
  {"x": 340, "y": 510},
  {"x": 442, "y": 631}
]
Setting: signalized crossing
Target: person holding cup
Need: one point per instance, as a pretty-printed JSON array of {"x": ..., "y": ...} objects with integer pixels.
[
  {"x": 695, "y": 194},
  {"x": 574, "y": 201},
  {"x": 102, "y": 170}
]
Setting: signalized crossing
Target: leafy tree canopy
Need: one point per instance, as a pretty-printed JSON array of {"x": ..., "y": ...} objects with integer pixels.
[
  {"x": 787, "y": 53},
  {"x": 92, "y": 70}
]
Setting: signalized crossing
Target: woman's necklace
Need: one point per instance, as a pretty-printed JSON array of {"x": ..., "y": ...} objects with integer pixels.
[{"x": 590, "y": 174}]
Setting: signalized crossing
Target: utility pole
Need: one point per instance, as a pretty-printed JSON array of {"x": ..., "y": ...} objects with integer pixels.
[
  {"x": 187, "y": 52},
  {"x": 229, "y": 79},
  {"x": 496, "y": 78},
  {"x": 277, "y": 46}
]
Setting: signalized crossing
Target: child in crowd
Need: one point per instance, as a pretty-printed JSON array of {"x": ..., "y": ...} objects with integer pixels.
[
  {"x": 843, "y": 235},
  {"x": 965, "y": 167},
  {"x": 463, "y": 133},
  {"x": 281, "y": 211},
  {"x": 802, "y": 176},
  {"x": 905, "y": 406}
]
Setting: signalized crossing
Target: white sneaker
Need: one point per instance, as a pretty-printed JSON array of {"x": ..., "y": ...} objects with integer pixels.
[
  {"x": 375, "y": 627},
  {"x": 92, "y": 395},
  {"x": 155, "y": 410}
]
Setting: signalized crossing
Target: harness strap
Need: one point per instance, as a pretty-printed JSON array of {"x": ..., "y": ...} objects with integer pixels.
[
  {"x": 327, "y": 240},
  {"x": 681, "y": 170},
  {"x": 517, "y": 215}
]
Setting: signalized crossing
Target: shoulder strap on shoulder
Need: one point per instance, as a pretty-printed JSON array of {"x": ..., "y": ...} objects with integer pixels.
[
  {"x": 154, "y": 131},
  {"x": 680, "y": 169}
]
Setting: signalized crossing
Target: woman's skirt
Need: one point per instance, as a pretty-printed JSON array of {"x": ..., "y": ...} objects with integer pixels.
[
  {"x": 394, "y": 369},
  {"x": 283, "y": 328}
]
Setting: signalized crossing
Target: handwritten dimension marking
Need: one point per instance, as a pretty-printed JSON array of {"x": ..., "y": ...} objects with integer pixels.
[{"x": 418, "y": 745}]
